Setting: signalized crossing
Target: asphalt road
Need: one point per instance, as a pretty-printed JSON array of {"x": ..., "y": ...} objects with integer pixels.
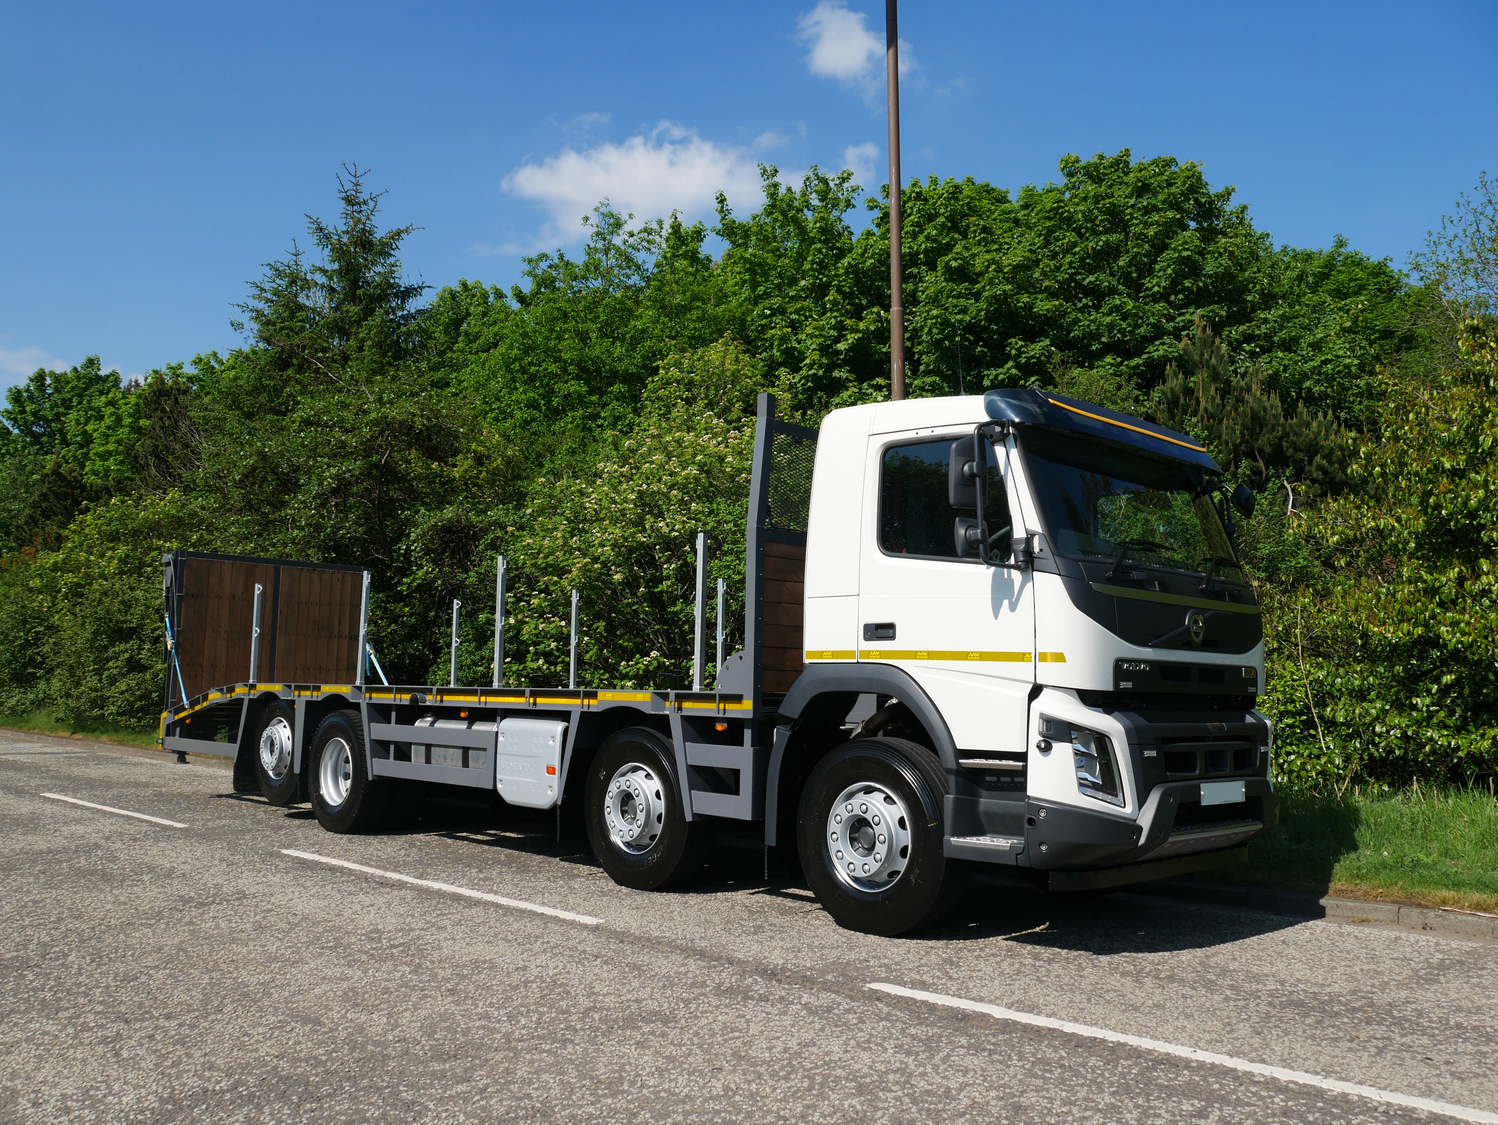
[{"x": 200, "y": 973}]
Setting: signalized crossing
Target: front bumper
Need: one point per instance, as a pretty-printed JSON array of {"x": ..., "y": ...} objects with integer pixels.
[{"x": 1069, "y": 838}]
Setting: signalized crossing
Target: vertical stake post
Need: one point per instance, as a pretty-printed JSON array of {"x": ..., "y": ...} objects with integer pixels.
[
  {"x": 896, "y": 272},
  {"x": 452, "y": 677},
  {"x": 572, "y": 647},
  {"x": 499, "y": 623},
  {"x": 255, "y": 638},
  {"x": 363, "y": 665},
  {"x": 718, "y": 620},
  {"x": 699, "y": 613}
]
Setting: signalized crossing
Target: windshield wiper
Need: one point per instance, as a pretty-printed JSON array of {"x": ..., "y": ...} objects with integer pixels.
[
  {"x": 1213, "y": 562},
  {"x": 1128, "y": 545}
]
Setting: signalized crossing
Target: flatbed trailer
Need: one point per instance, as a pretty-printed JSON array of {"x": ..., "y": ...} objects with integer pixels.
[{"x": 892, "y": 772}]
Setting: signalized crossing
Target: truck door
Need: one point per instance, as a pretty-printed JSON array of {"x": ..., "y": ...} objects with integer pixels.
[{"x": 964, "y": 631}]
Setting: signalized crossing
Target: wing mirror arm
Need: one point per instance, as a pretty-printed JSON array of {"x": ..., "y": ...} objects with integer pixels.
[{"x": 967, "y": 485}]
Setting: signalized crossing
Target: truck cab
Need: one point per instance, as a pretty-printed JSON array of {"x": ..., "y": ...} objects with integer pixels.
[{"x": 1044, "y": 595}]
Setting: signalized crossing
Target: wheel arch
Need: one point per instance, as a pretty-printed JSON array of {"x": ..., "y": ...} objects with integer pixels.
[
  {"x": 592, "y": 731},
  {"x": 817, "y": 694}
]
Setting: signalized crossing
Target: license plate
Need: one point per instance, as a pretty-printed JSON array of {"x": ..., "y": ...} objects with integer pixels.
[{"x": 1222, "y": 792}]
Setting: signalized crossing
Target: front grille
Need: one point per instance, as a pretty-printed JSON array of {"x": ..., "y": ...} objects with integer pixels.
[
  {"x": 1192, "y": 673},
  {"x": 1203, "y": 757},
  {"x": 1163, "y": 705}
]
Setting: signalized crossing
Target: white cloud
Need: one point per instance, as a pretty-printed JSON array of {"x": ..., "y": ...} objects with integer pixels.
[
  {"x": 17, "y": 364},
  {"x": 843, "y": 47},
  {"x": 669, "y": 169},
  {"x": 861, "y": 159},
  {"x": 584, "y": 122}
]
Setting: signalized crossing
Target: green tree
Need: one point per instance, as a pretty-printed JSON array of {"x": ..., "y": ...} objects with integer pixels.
[
  {"x": 1244, "y": 423},
  {"x": 1384, "y": 665}
]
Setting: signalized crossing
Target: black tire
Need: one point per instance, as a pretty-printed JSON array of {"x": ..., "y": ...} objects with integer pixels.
[
  {"x": 639, "y": 830},
  {"x": 344, "y": 797},
  {"x": 273, "y": 755},
  {"x": 884, "y": 872}
]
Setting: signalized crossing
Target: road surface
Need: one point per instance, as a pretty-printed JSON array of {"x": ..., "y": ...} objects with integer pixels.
[{"x": 229, "y": 961}]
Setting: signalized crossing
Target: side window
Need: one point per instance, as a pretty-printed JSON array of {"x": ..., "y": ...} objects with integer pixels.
[{"x": 914, "y": 515}]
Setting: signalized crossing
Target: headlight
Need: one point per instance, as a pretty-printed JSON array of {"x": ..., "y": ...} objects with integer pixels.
[{"x": 1093, "y": 758}]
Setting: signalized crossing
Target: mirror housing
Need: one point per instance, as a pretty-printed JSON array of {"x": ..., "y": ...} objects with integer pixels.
[
  {"x": 966, "y": 536},
  {"x": 963, "y": 473},
  {"x": 1244, "y": 500}
]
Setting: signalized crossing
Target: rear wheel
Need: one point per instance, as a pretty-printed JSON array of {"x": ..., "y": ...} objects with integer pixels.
[
  {"x": 279, "y": 783},
  {"x": 870, "y": 833},
  {"x": 636, "y": 822},
  {"x": 344, "y": 796}
]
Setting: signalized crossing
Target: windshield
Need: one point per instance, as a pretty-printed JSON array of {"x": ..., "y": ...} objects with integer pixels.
[{"x": 1101, "y": 501}]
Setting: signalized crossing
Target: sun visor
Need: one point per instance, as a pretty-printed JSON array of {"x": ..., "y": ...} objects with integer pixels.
[{"x": 1030, "y": 406}]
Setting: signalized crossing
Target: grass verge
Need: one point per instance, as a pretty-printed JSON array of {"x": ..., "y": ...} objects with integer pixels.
[
  {"x": 42, "y": 722},
  {"x": 1426, "y": 846}
]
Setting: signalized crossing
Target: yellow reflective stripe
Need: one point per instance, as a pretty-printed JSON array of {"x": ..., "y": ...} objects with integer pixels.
[
  {"x": 831, "y": 654},
  {"x": 1053, "y": 658},
  {"x": 943, "y": 654},
  {"x": 1126, "y": 426},
  {"x": 625, "y": 696}
]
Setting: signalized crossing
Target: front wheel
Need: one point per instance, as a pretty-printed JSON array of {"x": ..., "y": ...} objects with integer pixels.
[
  {"x": 344, "y": 796},
  {"x": 870, "y": 835},
  {"x": 637, "y": 824}
]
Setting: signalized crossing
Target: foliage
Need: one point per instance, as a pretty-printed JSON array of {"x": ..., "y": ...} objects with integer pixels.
[
  {"x": 589, "y": 421},
  {"x": 82, "y": 625},
  {"x": 1460, "y": 261},
  {"x": 1245, "y": 424},
  {"x": 1385, "y": 666},
  {"x": 625, "y": 537}
]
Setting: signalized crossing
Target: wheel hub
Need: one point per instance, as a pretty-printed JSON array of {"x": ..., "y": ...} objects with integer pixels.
[
  {"x": 275, "y": 748},
  {"x": 634, "y": 808},
  {"x": 336, "y": 772},
  {"x": 868, "y": 836}
]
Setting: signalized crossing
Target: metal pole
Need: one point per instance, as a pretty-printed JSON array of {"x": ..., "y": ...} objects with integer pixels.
[
  {"x": 255, "y": 639},
  {"x": 572, "y": 647},
  {"x": 718, "y": 620},
  {"x": 896, "y": 284},
  {"x": 363, "y": 633},
  {"x": 499, "y": 623},
  {"x": 699, "y": 622},
  {"x": 452, "y": 677}
]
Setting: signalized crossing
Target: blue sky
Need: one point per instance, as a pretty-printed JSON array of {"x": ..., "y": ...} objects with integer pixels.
[{"x": 155, "y": 155}]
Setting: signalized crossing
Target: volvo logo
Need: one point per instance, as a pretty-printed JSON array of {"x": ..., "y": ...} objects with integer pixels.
[{"x": 1196, "y": 625}]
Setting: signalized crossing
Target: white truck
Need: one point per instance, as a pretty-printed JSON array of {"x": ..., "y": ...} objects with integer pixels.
[{"x": 1006, "y": 631}]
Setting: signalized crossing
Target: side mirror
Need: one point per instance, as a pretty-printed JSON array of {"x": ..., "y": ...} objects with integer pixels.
[
  {"x": 1244, "y": 499},
  {"x": 966, "y": 535},
  {"x": 963, "y": 472}
]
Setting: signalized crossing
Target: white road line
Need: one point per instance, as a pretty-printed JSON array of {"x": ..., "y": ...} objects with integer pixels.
[
  {"x": 1460, "y": 1112},
  {"x": 565, "y": 915},
  {"x": 117, "y": 812}
]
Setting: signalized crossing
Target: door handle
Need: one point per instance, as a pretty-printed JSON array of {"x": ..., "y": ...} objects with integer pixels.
[{"x": 879, "y": 631}]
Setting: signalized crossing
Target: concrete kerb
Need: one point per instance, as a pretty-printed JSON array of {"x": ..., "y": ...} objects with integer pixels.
[{"x": 1468, "y": 923}]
